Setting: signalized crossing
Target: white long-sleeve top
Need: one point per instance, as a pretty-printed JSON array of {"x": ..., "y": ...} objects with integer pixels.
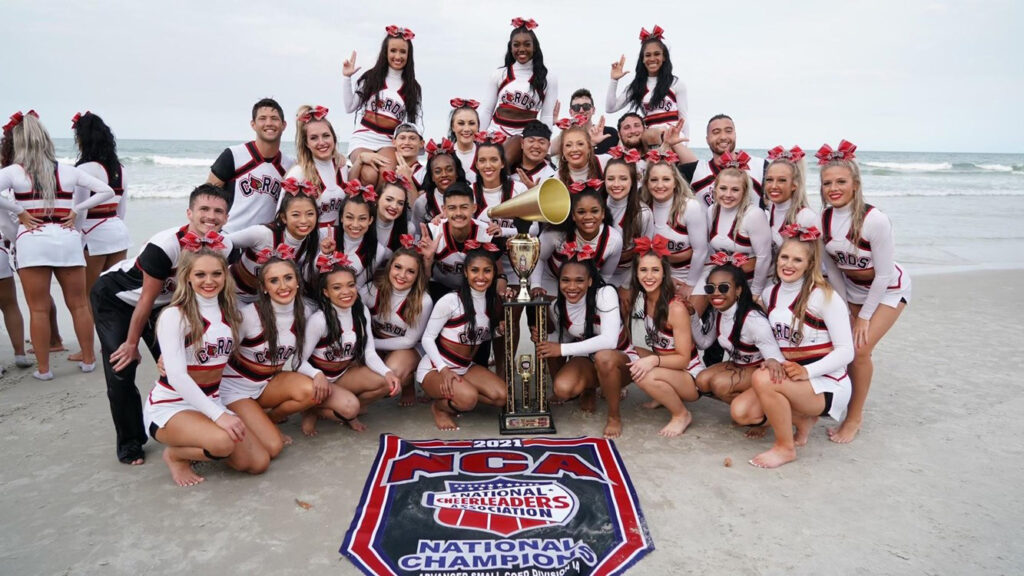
[
  {"x": 757, "y": 341},
  {"x": 607, "y": 245},
  {"x": 115, "y": 207},
  {"x": 752, "y": 237},
  {"x": 673, "y": 107},
  {"x": 390, "y": 331},
  {"x": 332, "y": 193},
  {"x": 332, "y": 359},
  {"x": 448, "y": 322},
  {"x": 805, "y": 218},
  {"x": 73, "y": 187},
  {"x": 826, "y": 327},
  {"x": 690, "y": 232},
  {"x": 387, "y": 102},
  {"x": 573, "y": 316},
  {"x": 514, "y": 91}
]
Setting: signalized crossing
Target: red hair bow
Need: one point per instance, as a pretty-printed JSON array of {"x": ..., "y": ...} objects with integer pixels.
[
  {"x": 397, "y": 32},
  {"x": 656, "y": 33},
  {"x": 355, "y": 188},
  {"x": 566, "y": 123},
  {"x": 738, "y": 160},
  {"x": 76, "y": 118},
  {"x": 408, "y": 241},
  {"x": 393, "y": 178},
  {"x": 490, "y": 137},
  {"x": 654, "y": 157},
  {"x": 318, "y": 113},
  {"x": 845, "y": 152},
  {"x": 464, "y": 102},
  {"x": 577, "y": 251},
  {"x": 723, "y": 258},
  {"x": 193, "y": 242},
  {"x": 581, "y": 185},
  {"x": 632, "y": 156},
  {"x": 283, "y": 251},
  {"x": 295, "y": 187},
  {"x": 446, "y": 147},
  {"x": 326, "y": 262},
  {"x": 17, "y": 117},
  {"x": 794, "y": 154},
  {"x": 800, "y": 233},
  {"x": 659, "y": 245},
  {"x": 519, "y": 22},
  {"x": 472, "y": 244}
]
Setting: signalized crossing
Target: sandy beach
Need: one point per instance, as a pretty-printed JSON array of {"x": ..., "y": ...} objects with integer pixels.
[{"x": 927, "y": 488}]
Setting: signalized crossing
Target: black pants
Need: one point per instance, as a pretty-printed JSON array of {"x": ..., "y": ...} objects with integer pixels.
[{"x": 113, "y": 318}]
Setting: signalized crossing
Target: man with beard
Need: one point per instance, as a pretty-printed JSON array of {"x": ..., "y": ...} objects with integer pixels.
[{"x": 721, "y": 139}]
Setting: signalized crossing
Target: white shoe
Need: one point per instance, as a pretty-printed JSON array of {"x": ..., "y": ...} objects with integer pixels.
[
  {"x": 22, "y": 361},
  {"x": 86, "y": 367},
  {"x": 42, "y": 376}
]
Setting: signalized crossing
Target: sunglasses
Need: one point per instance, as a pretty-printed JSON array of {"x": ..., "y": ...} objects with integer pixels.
[
  {"x": 582, "y": 107},
  {"x": 723, "y": 288}
]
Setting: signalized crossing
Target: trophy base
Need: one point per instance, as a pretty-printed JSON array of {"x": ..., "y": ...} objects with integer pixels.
[{"x": 526, "y": 423}]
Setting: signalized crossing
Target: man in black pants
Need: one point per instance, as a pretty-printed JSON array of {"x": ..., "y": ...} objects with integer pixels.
[{"x": 126, "y": 301}]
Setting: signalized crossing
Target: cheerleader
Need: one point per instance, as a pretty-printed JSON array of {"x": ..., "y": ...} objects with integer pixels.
[
  {"x": 444, "y": 245},
  {"x": 630, "y": 216},
  {"x": 387, "y": 95},
  {"x": 47, "y": 242},
  {"x": 399, "y": 308},
  {"x": 461, "y": 321},
  {"x": 443, "y": 169},
  {"x": 737, "y": 226},
  {"x": 345, "y": 355},
  {"x": 667, "y": 372},
  {"x": 272, "y": 337},
  {"x": 197, "y": 333},
  {"x": 492, "y": 184},
  {"x": 812, "y": 327},
  {"x": 520, "y": 91},
  {"x": 658, "y": 95},
  {"x": 784, "y": 193},
  {"x": 577, "y": 161},
  {"x": 859, "y": 240},
  {"x": 583, "y": 347},
  {"x": 357, "y": 235},
  {"x": 463, "y": 126},
  {"x": 678, "y": 217},
  {"x": 319, "y": 162},
  {"x": 13, "y": 320},
  {"x": 294, "y": 225},
  {"x": 105, "y": 233},
  {"x": 392, "y": 218},
  {"x": 741, "y": 327},
  {"x": 589, "y": 224},
  {"x": 535, "y": 167}
]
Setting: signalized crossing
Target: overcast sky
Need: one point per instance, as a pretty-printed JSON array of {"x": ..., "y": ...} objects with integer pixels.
[{"x": 895, "y": 75}]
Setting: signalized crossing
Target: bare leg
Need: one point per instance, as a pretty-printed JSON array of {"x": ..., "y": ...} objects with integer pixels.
[
  {"x": 463, "y": 399},
  {"x": 513, "y": 150},
  {"x": 342, "y": 406},
  {"x": 259, "y": 425},
  {"x": 35, "y": 281},
  {"x": 367, "y": 386},
  {"x": 13, "y": 320},
  {"x": 670, "y": 388},
  {"x": 403, "y": 363},
  {"x": 613, "y": 375},
  {"x": 287, "y": 393},
  {"x": 575, "y": 378},
  {"x": 190, "y": 436},
  {"x": 781, "y": 401},
  {"x": 72, "y": 282}
]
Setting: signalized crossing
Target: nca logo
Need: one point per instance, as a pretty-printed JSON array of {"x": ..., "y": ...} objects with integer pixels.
[{"x": 502, "y": 506}]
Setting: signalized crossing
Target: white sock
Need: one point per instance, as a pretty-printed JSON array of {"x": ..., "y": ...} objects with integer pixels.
[
  {"x": 22, "y": 361},
  {"x": 42, "y": 376}
]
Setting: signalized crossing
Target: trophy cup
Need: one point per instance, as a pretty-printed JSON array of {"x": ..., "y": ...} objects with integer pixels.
[{"x": 528, "y": 414}]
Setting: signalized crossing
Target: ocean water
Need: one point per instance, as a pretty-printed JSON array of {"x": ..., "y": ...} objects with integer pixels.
[{"x": 950, "y": 211}]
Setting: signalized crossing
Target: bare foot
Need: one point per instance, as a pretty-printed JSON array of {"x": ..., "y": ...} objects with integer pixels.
[
  {"x": 846, "y": 432},
  {"x": 651, "y": 405},
  {"x": 756, "y": 432},
  {"x": 408, "y": 397},
  {"x": 181, "y": 471},
  {"x": 286, "y": 440},
  {"x": 588, "y": 400},
  {"x": 774, "y": 458},
  {"x": 76, "y": 357},
  {"x": 443, "y": 419},
  {"x": 676, "y": 426},
  {"x": 613, "y": 429},
  {"x": 803, "y": 424},
  {"x": 58, "y": 347},
  {"x": 356, "y": 424},
  {"x": 309, "y": 423}
]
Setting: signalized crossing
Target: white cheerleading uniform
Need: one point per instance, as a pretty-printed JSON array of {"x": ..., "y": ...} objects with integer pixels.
[
  {"x": 757, "y": 341},
  {"x": 390, "y": 331},
  {"x": 875, "y": 251},
  {"x": 159, "y": 259},
  {"x": 624, "y": 272},
  {"x": 104, "y": 229},
  {"x": 689, "y": 234},
  {"x": 824, "y": 342},
  {"x": 669, "y": 111},
  {"x": 332, "y": 188},
  {"x": 704, "y": 173},
  {"x": 333, "y": 359},
  {"x": 421, "y": 210},
  {"x": 177, "y": 391},
  {"x": 572, "y": 317},
  {"x": 805, "y": 218},
  {"x": 607, "y": 245},
  {"x": 583, "y": 174},
  {"x": 387, "y": 103},
  {"x": 511, "y": 90},
  {"x": 487, "y": 198},
  {"x": 661, "y": 342},
  {"x": 350, "y": 246},
  {"x": 51, "y": 244},
  {"x": 8, "y": 232},
  {"x": 388, "y": 234},
  {"x": 451, "y": 254},
  {"x": 239, "y": 380},
  {"x": 254, "y": 183},
  {"x": 538, "y": 173},
  {"x": 449, "y": 324},
  {"x": 752, "y": 238},
  {"x": 251, "y": 241},
  {"x": 468, "y": 160}
]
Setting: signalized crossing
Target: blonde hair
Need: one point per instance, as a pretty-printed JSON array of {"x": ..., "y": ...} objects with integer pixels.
[
  {"x": 799, "y": 199},
  {"x": 813, "y": 278},
  {"x": 33, "y": 151},
  {"x": 185, "y": 298},
  {"x": 304, "y": 156},
  {"x": 680, "y": 196},
  {"x": 741, "y": 210},
  {"x": 858, "y": 209}
]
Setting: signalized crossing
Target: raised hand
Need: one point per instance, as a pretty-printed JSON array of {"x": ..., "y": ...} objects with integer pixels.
[
  {"x": 348, "y": 68},
  {"x": 619, "y": 68},
  {"x": 597, "y": 134}
]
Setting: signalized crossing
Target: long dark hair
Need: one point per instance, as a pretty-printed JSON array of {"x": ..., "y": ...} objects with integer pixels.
[
  {"x": 569, "y": 226},
  {"x": 6, "y": 149},
  {"x": 401, "y": 223},
  {"x": 638, "y": 87},
  {"x": 631, "y": 218},
  {"x": 666, "y": 291},
  {"x": 96, "y": 143},
  {"x": 333, "y": 326},
  {"x": 429, "y": 187},
  {"x": 503, "y": 177},
  {"x": 367, "y": 251},
  {"x": 466, "y": 293},
  {"x": 744, "y": 302},
  {"x": 268, "y": 322},
  {"x": 539, "y": 81},
  {"x": 310, "y": 247},
  {"x": 596, "y": 283},
  {"x": 373, "y": 80}
]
